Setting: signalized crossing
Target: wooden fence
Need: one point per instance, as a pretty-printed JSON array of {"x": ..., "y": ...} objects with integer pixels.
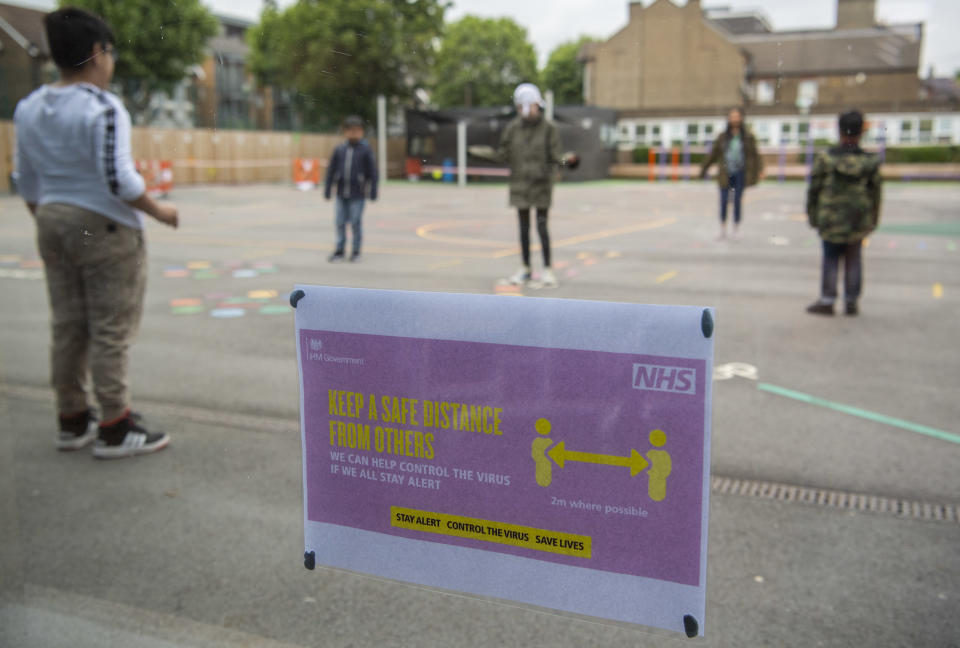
[{"x": 222, "y": 156}]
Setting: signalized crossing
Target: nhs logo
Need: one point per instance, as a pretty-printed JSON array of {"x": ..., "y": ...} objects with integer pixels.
[{"x": 682, "y": 380}]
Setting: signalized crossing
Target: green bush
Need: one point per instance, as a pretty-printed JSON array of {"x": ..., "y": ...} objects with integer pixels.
[
  {"x": 904, "y": 154},
  {"x": 923, "y": 154}
]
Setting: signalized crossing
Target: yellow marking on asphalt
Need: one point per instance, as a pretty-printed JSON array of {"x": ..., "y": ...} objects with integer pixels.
[
  {"x": 613, "y": 254},
  {"x": 182, "y": 238},
  {"x": 427, "y": 232},
  {"x": 937, "y": 290},
  {"x": 866, "y": 242},
  {"x": 798, "y": 218},
  {"x": 445, "y": 264},
  {"x": 667, "y": 276},
  {"x": 259, "y": 254},
  {"x": 593, "y": 236}
]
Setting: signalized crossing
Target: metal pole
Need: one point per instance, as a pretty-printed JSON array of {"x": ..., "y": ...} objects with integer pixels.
[
  {"x": 462, "y": 153},
  {"x": 382, "y": 136},
  {"x": 549, "y": 109}
]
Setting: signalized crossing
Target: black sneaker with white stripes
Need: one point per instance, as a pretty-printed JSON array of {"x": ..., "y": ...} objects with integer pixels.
[
  {"x": 126, "y": 437},
  {"x": 77, "y": 431}
]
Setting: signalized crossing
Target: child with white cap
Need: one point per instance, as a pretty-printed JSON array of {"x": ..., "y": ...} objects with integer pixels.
[{"x": 530, "y": 146}]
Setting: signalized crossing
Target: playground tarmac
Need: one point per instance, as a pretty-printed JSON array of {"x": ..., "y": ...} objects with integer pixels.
[{"x": 835, "y": 449}]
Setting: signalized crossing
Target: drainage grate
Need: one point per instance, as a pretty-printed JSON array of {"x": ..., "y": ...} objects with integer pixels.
[
  {"x": 836, "y": 499},
  {"x": 722, "y": 485}
]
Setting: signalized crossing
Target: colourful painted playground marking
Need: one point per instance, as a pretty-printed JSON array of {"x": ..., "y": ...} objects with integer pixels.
[
  {"x": 14, "y": 266},
  {"x": 210, "y": 270},
  {"x": 225, "y": 305}
]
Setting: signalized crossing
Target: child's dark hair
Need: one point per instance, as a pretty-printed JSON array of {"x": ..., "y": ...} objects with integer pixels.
[
  {"x": 72, "y": 33},
  {"x": 851, "y": 123},
  {"x": 353, "y": 121}
]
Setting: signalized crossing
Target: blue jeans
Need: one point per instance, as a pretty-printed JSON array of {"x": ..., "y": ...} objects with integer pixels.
[
  {"x": 852, "y": 271},
  {"x": 349, "y": 210},
  {"x": 737, "y": 183}
]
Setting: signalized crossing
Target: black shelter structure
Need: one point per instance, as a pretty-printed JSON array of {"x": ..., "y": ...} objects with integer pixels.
[{"x": 432, "y": 140}]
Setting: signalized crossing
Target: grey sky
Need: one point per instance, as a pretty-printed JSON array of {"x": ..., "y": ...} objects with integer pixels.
[{"x": 551, "y": 22}]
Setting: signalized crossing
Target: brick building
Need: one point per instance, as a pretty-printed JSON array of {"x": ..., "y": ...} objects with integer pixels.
[
  {"x": 24, "y": 56},
  {"x": 218, "y": 93},
  {"x": 674, "y": 71}
]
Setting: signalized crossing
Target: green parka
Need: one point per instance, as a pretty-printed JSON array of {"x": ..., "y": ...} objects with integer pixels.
[
  {"x": 532, "y": 151},
  {"x": 753, "y": 164}
]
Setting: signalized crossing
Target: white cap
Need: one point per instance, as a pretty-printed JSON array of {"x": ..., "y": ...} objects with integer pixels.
[{"x": 525, "y": 96}]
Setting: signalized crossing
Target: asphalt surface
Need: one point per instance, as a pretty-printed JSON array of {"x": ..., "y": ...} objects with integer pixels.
[{"x": 201, "y": 544}]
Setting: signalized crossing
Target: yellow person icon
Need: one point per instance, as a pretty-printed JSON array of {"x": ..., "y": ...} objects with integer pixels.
[
  {"x": 542, "y": 466},
  {"x": 660, "y": 467}
]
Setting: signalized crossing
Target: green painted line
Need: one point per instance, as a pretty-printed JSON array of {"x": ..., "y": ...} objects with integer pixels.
[
  {"x": 941, "y": 228},
  {"x": 862, "y": 413}
]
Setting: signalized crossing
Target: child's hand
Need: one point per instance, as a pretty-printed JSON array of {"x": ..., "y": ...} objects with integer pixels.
[{"x": 168, "y": 215}]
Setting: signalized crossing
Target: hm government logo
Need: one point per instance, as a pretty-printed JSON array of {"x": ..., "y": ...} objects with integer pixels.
[
  {"x": 315, "y": 347},
  {"x": 680, "y": 380},
  {"x": 315, "y": 353}
]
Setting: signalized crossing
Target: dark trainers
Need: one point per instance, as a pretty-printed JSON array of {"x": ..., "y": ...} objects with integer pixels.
[
  {"x": 819, "y": 308},
  {"x": 336, "y": 256},
  {"x": 851, "y": 308},
  {"x": 354, "y": 257},
  {"x": 126, "y": 437},
  {"x": 77, "y": 431}
]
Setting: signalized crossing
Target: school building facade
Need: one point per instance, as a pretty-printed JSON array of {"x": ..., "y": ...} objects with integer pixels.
[{"x": 673, "y": 72}]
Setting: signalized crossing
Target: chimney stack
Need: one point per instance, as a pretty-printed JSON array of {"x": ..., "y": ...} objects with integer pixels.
[{"x": 856, "y": 14}]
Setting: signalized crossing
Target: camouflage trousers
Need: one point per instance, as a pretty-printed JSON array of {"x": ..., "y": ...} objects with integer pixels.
[{"x": 96, "y": 278}]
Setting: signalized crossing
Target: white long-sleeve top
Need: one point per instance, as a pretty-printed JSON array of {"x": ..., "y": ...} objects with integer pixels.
[{"x": 73, "y": 146}]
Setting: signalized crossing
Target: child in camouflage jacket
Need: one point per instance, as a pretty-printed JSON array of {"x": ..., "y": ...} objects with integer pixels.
[{"x": 843, "y": 203}]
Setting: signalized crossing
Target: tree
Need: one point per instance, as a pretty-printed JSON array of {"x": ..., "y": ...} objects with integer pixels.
[
  {"x": 338, "y": 55},
  {"x": 157, "y": 42},
  {"x": 481, "y": 61},
  {"x": 564, "y": 73}
]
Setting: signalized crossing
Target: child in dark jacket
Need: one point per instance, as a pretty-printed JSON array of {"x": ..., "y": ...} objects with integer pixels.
[{"x": 353, "y": 171}]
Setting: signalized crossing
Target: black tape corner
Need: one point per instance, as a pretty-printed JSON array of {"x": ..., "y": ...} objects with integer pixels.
[
  {"x": 690, "y": 625},
  {"x": 296, "y": 296},
  {"x": 310, "y": 560},
  {"x": 706, "y": 323}
]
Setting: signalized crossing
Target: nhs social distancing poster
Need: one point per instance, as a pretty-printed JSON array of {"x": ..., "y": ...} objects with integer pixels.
[{"x": 550, "y": 452}]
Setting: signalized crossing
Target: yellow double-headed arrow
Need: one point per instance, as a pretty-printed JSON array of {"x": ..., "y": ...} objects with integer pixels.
[{"x": 635, "y": 462}]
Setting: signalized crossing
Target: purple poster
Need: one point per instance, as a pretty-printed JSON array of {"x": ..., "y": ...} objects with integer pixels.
[{"x": 485, "y": 447}]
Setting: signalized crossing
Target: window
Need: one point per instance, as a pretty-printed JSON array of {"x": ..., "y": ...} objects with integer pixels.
[
  {"x": 786, "y": 132},
  {"x": 762, "y": 130},
  {"x": 763, "y": 93},
  {"x": 693, "y": 132},
  {"x": 655, "y": 139},
  {"x": 944, "y": 130},
  {"x": 803, "y": 131},
  {"x": 906, "y": 131},
  {"x": 807, "y": 95},
  {"x": 926, "y": 131},
  {"x": 422, "y": 146}
]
